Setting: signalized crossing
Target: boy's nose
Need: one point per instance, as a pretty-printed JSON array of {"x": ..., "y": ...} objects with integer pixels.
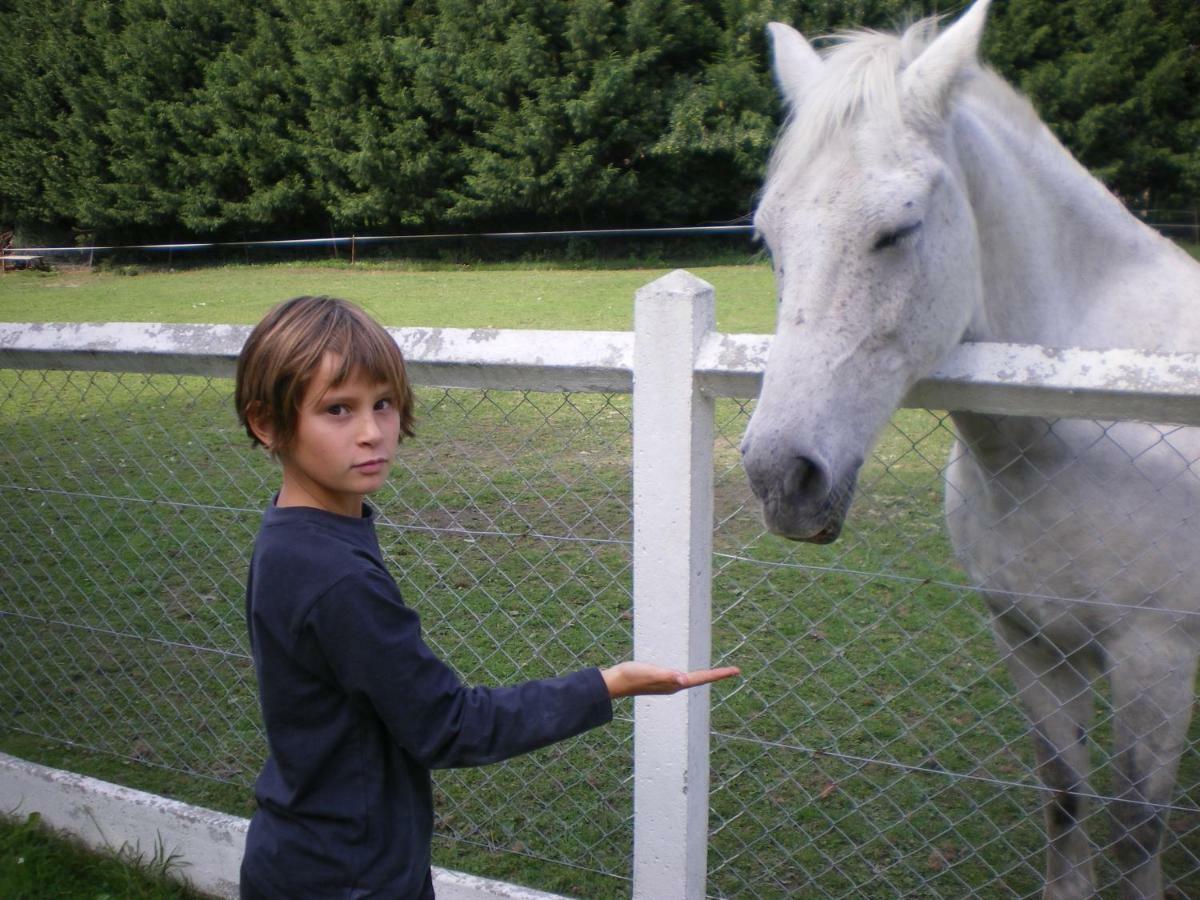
[{"x": 369, "y": 432}]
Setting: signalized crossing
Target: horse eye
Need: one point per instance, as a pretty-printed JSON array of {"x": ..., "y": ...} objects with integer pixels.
[{"x": 892, "y": 238}]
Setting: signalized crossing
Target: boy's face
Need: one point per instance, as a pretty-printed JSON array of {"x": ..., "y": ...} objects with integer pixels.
[{"x": 345, "y": 439}]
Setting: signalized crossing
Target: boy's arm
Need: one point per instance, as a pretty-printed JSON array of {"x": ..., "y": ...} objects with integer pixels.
[{"x": 372, "y": 643}]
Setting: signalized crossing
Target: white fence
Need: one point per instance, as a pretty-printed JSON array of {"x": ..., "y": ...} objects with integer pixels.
[{"x": 679, "y": 370}]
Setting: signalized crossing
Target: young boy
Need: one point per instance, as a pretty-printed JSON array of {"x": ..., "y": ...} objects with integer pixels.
[{"x": 357, "y": 708}]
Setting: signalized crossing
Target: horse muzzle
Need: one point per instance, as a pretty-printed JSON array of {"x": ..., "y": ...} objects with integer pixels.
[{"x": 803, "y": 497}]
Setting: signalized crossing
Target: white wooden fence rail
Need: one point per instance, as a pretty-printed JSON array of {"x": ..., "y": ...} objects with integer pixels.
[{"x": 675, "y": 363}]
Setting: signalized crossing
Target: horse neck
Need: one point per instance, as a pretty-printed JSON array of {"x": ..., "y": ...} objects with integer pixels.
[{"x": 1063, "y": 262}]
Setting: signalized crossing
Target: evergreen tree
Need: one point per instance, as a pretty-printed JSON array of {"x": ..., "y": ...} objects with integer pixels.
[
  {"x": 378, "y": 144},
  {"x": 244, "y": 172},
  {"x": 45, "y": 155},
  {"x": 131, "y": 108},
  {"x": 1119, "y": 82},
  {"x": 161, "y": 119},
  {"x": 558, "y": 104}
]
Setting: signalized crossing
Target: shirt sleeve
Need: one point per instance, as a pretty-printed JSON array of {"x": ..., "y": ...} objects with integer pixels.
[{"x": 372, "y": 643}]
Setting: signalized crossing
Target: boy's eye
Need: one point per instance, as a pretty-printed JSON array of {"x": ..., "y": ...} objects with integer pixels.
[
  {"x": 385, "y": 403},
  {"x": 336, "y": 409}
]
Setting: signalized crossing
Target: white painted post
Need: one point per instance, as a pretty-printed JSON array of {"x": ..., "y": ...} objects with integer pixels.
[{"x": 672, "y": 590}]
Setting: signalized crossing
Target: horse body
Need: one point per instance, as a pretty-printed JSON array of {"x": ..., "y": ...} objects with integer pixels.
[
  {"x": 915, "y": 201},
  {"x": 1080, "y": 536}
]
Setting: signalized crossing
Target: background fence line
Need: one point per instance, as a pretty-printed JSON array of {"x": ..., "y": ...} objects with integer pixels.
[
  {"x": 368, "y": 239},
  {"x": 1181, "y": 224},
  {"x": 771, "y": 825}
]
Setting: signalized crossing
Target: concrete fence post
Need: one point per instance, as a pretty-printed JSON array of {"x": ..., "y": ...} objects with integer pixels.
[{"x": 672, "y": 591}]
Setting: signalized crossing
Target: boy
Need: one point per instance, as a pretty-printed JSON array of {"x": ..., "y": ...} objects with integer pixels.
[{"x": 357, "y": 708}]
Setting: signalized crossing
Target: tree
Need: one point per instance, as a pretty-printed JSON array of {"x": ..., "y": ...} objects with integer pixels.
[
  {"x": 1119, "y": 82},
  {"x": 39, "y": 141},
  {"x": 243, "y": 170},
  {"x": 128, "y": 127},
  {"x": 169, "y": 118}
]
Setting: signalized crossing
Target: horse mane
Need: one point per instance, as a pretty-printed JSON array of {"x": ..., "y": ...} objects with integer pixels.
[{"x": 861, "y": 75}]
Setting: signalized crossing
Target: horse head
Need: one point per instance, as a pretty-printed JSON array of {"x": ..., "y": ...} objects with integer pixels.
[{"x": 875, "y": 253}]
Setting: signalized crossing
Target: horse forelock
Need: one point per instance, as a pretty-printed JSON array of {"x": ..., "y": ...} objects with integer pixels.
[{"x": 860, "y": 78}]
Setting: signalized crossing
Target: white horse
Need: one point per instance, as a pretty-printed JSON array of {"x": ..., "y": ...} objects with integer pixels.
[{"x": 915, "y": 201}]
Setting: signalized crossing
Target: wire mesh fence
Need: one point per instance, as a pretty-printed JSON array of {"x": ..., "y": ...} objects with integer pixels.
[
  {"x": 885, "y": 752},
  {"x": 130, "y": 503},
  {"x": 873, "y": 748}
]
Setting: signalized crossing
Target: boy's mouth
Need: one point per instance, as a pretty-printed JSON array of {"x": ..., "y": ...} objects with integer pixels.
[{"x": 371, "y": 465}]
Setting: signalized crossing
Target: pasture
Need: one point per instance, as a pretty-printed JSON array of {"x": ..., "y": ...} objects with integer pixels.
[
  {"x": 457, "y": 296},
  {"x": 871, "y": 749}
]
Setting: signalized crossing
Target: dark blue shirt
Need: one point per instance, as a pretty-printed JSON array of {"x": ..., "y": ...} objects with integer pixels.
[{"x": 358, "y": 710}]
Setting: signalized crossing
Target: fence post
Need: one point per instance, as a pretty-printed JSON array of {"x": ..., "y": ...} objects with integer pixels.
[{"x": 672, "y": 590}]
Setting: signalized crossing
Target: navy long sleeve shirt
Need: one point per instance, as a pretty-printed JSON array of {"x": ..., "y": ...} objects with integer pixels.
[{"x": 358, "y": 710}]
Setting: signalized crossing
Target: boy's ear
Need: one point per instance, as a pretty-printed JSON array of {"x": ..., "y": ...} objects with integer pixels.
[{"x": 258, "y": 418}]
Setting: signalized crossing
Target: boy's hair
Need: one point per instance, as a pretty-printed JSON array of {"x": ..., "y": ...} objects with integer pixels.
[{"x": 285, "y": 350}]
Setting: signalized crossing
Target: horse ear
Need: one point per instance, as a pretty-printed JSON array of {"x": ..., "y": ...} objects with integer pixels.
[
  {"x": 929, "y": 81},
  {"x": 796, "y": 62}
]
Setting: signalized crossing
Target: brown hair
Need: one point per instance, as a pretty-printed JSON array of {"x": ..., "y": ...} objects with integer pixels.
[{"x": 285, "y": 349}]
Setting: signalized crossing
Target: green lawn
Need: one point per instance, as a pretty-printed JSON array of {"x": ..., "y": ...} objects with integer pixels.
[
  {"x": 462, "y": 297},
  {"x": 37, "y": 864}
]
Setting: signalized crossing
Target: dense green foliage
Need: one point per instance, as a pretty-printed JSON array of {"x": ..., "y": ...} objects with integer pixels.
[
  {"x": 1118, "y": 81},
  {"x": 166, "y": 119}
]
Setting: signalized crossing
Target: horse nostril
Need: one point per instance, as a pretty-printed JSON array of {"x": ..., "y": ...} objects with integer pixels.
[{"x": 806, "y": 477}]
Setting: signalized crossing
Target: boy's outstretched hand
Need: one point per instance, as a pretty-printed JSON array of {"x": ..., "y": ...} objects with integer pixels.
[{"x": 631, "y": 679}]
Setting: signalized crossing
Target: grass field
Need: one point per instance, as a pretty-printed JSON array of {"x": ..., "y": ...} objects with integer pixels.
[
  {"x": 872, "y": 748},
  {"x": 418, "y": 294},
  {"x": 36, "y": 864},
  {"x": 462, "y": 296}
]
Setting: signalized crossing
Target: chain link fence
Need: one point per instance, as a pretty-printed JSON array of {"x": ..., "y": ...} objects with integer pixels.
[{"x": 872, "y": 748}]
